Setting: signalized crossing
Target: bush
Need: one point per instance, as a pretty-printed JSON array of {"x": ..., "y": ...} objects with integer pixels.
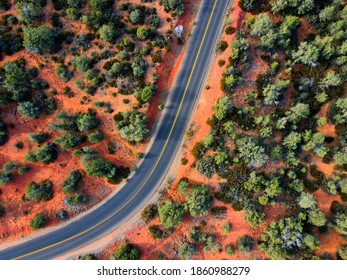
[
  {"x": 149, "y": 213},
  {"x": 186, "y": 251},
  {"x": 245, "y": 243},
  {"x": 171, "y": 213},
  {"x": 77, "y": 199},
  {"x": 41, "y": 39},
  {"x": 218, "y": 211},
  {"x": 42, "y": 191},
  {"x": 96, "y": 137},
  {"x": 221, "y": 46},
  {"x": 46, "y": 154},
  {"x": 63, "y": 73},
  {"x": 156, "y": 232},
  {"x": 71, "y": 183},
  {"x": 5, "y": 178},
  {"x": 132, "y": 125},
  {"x": 199, "y": 201},
  {"x": 230, "y": 30},
  {"x": 39, "y": 221},
  {"x": 198, "y": 150},
  {"x": 28, "y": 110},
  {"x": 69, "y": 140},
  {"x": 226, "y": 228},
  {"x": 230, "y": 250},
  {"x": 127, "y": 252},
  {"x": 183, "y": 185},
  {"x": 86, "y": 122},
  {"x": 207, "y": 166},
  {"x": 38, "y": 138},
  {"x": 98, "y": 167},
  {"x": 62, "y": 215}
]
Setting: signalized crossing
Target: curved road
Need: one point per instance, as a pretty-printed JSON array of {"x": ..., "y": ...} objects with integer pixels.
[{"x": 148, "y": 177}]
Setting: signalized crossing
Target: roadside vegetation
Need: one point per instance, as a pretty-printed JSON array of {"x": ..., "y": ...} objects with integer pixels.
[{"x": 77, "y": 79}]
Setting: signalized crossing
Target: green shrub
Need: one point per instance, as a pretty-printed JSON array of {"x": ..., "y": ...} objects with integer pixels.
[
  {"x": 156, "y": 232},
  {"x": 171, "y": 213},
  {"x": 226, "y": 228},
  {"x": 127, "y": 252},
  {"x": 46, "y": 154},
  {"x": 199, "y": 200},
  {"x": 230, "y": 250},
  {"x": 132, "y": 125},
  {"x": 96, "y": 137},
  {"x": 38, "y": 138},
  {"x": 42, "y": 191},
  {"x": 149, "y": 213},
  {"x": 39, "y": 221},
  {"x": 245, "y": 243},
  {"x": 71, "y": 183},
  {"x": 186, "y": 251}
]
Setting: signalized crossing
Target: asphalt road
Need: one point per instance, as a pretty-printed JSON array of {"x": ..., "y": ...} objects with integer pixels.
[{"x": 145, "y": 182}]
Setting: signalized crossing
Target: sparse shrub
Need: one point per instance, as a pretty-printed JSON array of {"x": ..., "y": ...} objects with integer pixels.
[
  {"x": 39, "y": 221},
  {"x": 127, "y": 252}
]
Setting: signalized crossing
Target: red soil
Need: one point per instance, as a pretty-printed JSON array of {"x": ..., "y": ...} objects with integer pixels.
[{"x": 15, "y": 223}]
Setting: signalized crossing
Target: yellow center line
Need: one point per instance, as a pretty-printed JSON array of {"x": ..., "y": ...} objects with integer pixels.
[{"x": 157, "y": 162}]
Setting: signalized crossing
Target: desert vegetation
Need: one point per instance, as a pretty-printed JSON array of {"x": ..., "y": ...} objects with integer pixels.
[{"x": 77, "y": 82}]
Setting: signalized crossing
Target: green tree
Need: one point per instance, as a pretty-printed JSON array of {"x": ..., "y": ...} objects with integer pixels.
[
  {"x": 39, "y": 221},
  {"x": 96, "y": 137},
  {"x": 307, "y": 201},
  {"x": 222, "y": 108},
  {"x": 307, "y": 53},
  {"x": 71, "y": 183},
  {"x": 145, "y": 95},
  {"x": 139, "y": 67},
  {"x": 173, "y": 5},
  {"x": 86, "y": 122},
  {"x": 29, "y": 12},
  {"x": 340, "y": 223},
  {"x": 46, "y": 154},
  {"x": 109, "y": 32},
  {"x": 251, "y": 152},
  {"x": 63, "y": 73},
  {"x": 186, "y": 251},
  {"x": 342, "y": 253},
  {"x": 338, "y": 111},
  {"x": 254, "y": 218},
  {"x": 28, "y": 110},
  {"x": 132, "y": 125},
  {"x": 42, "y": 191},
  {"x": 41, "y": 39},
  {"x": 98, "y": 167},
  {"x": 39, "y": 137},
  {"x": 207, "y": 166},
  {"x": 16, "y": 80},
  {"x": 230, "y": 250},
  {"x": 245, "y": 243},
  {"x": 136, "y": 16},
  {"x": 199, "y": 201},
  {"x": 82, "y": 63},
  {"x": 292, "y": 140},
  {"x": 282, "y": 238},
  {"x": 171, "y": 213},
  {"x": 142, "y": 33},
  {"x": 316, "y": 218},
  {"x": 127, "y": 252}
]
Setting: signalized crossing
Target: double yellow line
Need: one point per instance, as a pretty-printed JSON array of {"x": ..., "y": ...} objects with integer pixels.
[{"x": 157, "y": 162}]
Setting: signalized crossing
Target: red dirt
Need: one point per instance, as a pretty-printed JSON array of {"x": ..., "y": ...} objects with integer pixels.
[
  {"x": 139, "y": 234},
  {"x": 15, "y": 223}
]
